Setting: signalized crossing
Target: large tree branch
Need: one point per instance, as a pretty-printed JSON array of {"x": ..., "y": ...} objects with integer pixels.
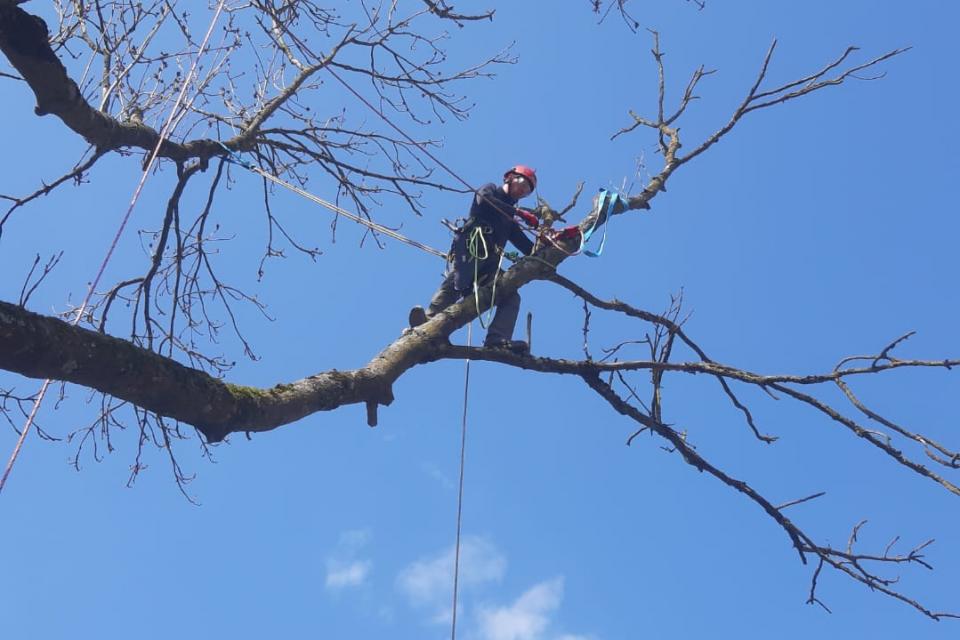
[
  {"x": 24, "y": 41},
  {"x": 38, "y": 346},
  {"x": 42, "y": 347}
]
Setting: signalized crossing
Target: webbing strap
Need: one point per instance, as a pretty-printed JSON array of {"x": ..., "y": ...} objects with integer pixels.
[{"x": 606, "y": 205}]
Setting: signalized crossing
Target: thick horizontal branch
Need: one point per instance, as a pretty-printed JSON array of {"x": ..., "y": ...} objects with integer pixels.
[{"x": 39, "y": 346}]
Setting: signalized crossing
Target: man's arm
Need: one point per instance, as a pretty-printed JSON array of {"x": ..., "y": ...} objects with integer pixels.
[{"x": 520, "y": 240}]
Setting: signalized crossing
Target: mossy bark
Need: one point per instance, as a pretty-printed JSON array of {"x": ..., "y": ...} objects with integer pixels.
[{"x": 39, "y": 346}]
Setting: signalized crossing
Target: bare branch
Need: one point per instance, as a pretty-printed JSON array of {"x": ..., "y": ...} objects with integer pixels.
[
  {"x": 800, "y": 501},
  {"x": 75, "y": 174},
  {"x": 27, "y": 290},
  {"x": 442, "y": 10}
]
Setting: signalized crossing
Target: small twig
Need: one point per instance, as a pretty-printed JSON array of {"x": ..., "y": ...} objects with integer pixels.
[
  {"x": 26, "y": 292},
  {"x": 800, "y": 501},
  {"x": 886, "y": 350},
  {"x": 586, "y": 332}
]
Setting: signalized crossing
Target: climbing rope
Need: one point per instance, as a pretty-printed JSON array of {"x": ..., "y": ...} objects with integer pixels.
[
  {"x": 233, "y": 158},
  {"x": 475, "y": 242},
  {"x": 463, "y": 452},
  {"x": 164, "y": 131},
  {"x": 463, "y": 440}
]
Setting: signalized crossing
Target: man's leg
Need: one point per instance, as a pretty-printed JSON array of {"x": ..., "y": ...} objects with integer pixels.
[
  {"x": 500, "y": 332},
  {"x": 445, "y": 295}
]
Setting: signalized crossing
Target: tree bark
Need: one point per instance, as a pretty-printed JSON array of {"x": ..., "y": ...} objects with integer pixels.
[
  {"x": 24, "y": 41},
  {"x": 38, "y": 346}
]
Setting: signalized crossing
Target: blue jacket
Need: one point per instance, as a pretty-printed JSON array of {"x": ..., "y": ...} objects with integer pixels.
[{"x": 492, "y": 210}]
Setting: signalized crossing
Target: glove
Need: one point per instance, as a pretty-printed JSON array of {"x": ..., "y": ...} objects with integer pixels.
[
  {"x": 568, "y": 233},
  {"x": 529, "y": 217}
]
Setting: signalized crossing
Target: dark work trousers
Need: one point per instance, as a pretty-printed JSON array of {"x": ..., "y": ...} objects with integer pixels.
[{"x": 504, "y": 320}]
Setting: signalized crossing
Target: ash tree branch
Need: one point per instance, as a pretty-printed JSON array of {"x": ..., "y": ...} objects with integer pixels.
[
  {"x": 76, "y": 175},
  {"x": 40, "y": 347},
  {"x": 27, "y": 338},
  {"x": 216, "y": 408},
  {"x": 847, "y": 562},
  {"x": 669, "y": 134},
  {"x": 756, "y": 99},
  {"x": 165, "y": 392},
  {"x": 669, "y": 325},
  {"x": 442, "y": 9},
  {"x": 30, "y": 285},
  {"x": 25, "y": 42}
]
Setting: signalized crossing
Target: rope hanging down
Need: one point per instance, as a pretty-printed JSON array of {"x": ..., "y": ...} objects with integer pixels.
[
  {"x": 167, "y": 127},
  {"x": 476, "y": 242},
  {"x": 370, "y": 224},
  {"x": 463, "y": 454},
  {"x": 466, "y": 382}
]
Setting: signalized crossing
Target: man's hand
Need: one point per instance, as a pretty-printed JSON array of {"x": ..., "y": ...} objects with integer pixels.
[{"x": 529, "y": 217}]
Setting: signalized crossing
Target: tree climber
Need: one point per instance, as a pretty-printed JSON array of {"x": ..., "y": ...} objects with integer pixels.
[{"x": 476, "y": 251}]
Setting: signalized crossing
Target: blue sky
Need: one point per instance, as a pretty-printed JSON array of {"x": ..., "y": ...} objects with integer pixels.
[{"x": 822, "y": 228}]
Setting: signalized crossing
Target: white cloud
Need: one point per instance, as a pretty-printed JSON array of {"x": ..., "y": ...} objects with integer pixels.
[
  {"x": 428, "y": 582},
  {"x": 353, "y": 574},
  {"x": 527, "y": 618},
  {"x": 344, "y": 567},
  {"x": 434, "y": 472}
]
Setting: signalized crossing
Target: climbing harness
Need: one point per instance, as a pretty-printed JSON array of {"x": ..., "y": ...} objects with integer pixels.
[
  {"x": 476, "y": 242},
  {"x": 235, "y": 158},
  {"x": 164, "y": 131}
]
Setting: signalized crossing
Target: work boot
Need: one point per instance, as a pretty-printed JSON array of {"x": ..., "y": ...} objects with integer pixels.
[
  {"x": 417, "y": 316},
  {"x": 516, "y": 346}
]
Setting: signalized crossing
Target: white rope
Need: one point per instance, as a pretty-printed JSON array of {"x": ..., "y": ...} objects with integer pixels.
[
  {"x": 370, "y": 224},
  {"x": 116, "y": 238}
]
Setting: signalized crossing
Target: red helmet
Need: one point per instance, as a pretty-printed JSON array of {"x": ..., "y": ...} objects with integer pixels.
[{"x": 522, "y": 170}]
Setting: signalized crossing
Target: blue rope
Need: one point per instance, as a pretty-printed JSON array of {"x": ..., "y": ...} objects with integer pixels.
[{"x": 234, "y": 157}]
